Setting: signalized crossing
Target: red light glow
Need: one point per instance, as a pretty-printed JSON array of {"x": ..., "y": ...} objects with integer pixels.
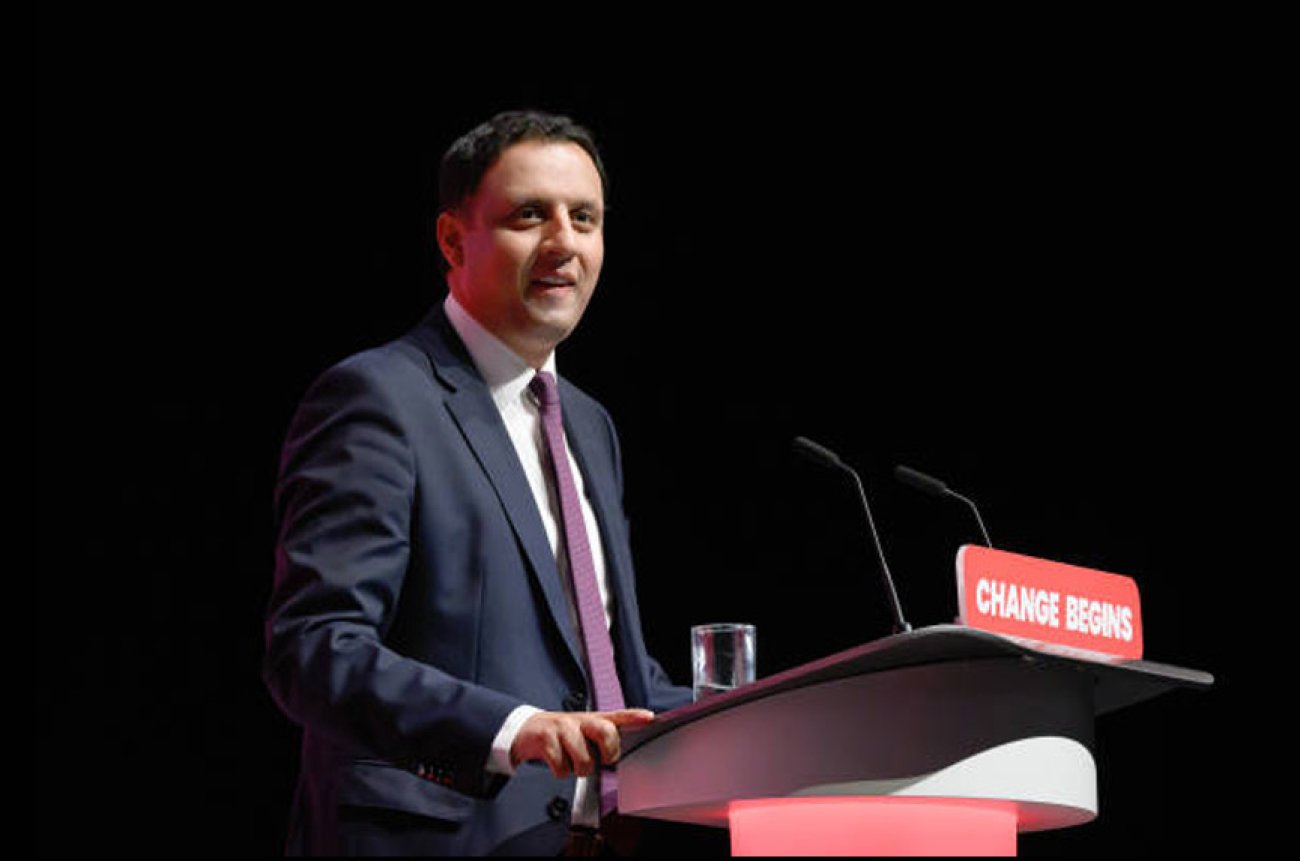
[{"x": 872, "y": 826}]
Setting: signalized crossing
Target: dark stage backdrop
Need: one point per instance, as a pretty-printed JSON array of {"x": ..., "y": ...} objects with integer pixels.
[{"x": 1032, "y": 268}]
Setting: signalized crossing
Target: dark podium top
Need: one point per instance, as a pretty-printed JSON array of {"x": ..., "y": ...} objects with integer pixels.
[{"x": 1116, "y": 685}]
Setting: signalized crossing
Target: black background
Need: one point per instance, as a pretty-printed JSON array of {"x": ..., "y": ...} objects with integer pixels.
[{"x": 1025, "y": 255}]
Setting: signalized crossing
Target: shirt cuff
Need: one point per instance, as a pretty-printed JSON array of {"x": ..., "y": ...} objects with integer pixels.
[{"x": 499, "y": 759}]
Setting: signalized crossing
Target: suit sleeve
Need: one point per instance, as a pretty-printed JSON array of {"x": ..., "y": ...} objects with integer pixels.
[
  {"x": 343, "y": 509},
  {"x": 664, "y": 695}
]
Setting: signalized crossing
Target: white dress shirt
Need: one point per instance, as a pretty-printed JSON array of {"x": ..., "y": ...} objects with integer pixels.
[{"x": 507, "y": 377}]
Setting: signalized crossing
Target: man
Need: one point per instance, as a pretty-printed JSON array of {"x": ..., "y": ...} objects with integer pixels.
[{"x": 427, "y": 626}]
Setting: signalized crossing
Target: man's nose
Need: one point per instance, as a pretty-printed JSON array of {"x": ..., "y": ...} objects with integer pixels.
[{"x": 561, "y": 238}]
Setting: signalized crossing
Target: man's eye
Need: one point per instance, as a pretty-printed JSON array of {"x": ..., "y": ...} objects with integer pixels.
[{"x": 529, "y": 213}]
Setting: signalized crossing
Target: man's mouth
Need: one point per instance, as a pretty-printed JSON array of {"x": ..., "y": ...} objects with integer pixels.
[{"x": 553, "y": 281}]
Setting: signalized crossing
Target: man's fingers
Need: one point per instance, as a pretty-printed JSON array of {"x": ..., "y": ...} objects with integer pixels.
[
  {"x": 572, "y": 742},
  {"x": 605, "y": 730},
  {"x": 542, "y": 738},
  {"x": 555, "y": 757},
  {"x": 628, "y": 717},
  {"x": 604, "y": 736},
  {"x": 573, "y": 736}
]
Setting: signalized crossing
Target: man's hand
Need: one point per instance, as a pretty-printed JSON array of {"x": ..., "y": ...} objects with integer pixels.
[{"x": 568, "y": 742}]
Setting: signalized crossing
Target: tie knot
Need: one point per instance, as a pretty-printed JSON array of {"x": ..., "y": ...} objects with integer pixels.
[{"x": 544, "y": 387}]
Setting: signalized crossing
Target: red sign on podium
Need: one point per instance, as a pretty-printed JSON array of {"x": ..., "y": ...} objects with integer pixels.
[{"x": 1049, "y": 606}]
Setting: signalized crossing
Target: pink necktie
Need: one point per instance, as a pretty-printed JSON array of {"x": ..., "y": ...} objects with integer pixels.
[{"x": 582, "y": 570}]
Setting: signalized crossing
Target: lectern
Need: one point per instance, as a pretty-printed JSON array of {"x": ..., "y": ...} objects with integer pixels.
[{"x": 943, "y": 740}]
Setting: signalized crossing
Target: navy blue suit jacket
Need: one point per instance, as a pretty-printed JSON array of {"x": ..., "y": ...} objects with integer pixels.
[{"x": 417, "y": 601}]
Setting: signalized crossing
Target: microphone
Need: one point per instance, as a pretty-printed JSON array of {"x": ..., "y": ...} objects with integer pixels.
[
  {"x": 831, "y": 460},
  {"x": 933, "y": 486}
]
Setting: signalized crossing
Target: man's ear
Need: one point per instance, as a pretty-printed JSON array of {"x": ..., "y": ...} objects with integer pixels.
[{"x": 450, "y": 233}]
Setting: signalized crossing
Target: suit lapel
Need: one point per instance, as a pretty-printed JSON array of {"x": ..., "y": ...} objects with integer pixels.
[{"x": 472, "y": 408}]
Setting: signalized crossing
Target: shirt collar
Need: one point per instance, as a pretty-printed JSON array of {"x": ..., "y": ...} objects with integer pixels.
[{"x": 506, "y": 373}]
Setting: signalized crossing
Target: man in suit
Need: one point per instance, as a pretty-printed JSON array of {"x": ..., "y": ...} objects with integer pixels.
[{"x": 423, "y": 628}]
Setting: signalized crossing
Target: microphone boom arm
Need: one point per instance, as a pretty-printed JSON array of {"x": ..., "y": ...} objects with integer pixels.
[
  {"x": 900, "y": 624},
  {"x": 826, "y": 457}
]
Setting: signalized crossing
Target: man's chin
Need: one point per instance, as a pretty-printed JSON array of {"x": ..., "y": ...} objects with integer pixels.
[
  {"x": 551, "y": 332},
  {"x": 555, "y": 320},
  {"x": 540, "y": 335}
]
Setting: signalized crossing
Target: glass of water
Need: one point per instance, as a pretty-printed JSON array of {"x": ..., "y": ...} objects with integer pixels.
[{"x": 722, "y": 657}]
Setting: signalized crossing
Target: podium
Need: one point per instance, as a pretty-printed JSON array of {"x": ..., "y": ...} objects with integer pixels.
[{"x": 942, "y": 740}]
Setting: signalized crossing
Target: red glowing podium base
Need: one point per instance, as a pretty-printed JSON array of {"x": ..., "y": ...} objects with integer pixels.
[
  {"x": 881, "y": 826},
  {"x": 941, "y": 741}
]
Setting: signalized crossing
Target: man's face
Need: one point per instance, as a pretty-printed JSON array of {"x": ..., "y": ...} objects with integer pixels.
[{"x": 526, "y": 248}]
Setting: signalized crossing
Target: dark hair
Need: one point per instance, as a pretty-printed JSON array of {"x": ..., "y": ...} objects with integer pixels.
[{"x": 466, "y": 160}]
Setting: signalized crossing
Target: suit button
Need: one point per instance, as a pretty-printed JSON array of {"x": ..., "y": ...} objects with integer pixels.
[
  {"x": 557, "y": 808},
  {"x": 575, "y": 701}
]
